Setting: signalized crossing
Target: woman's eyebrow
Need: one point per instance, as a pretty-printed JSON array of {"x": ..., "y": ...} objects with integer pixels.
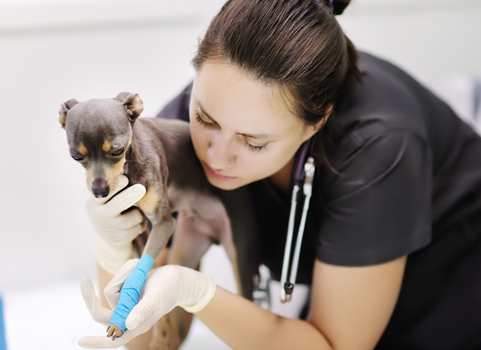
[
  {"x": 251, "y": 136},
  {"x": 259, "y": 136}
]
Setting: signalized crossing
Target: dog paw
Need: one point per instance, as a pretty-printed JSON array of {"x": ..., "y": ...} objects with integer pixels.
[{"x": 114, "y": 331}]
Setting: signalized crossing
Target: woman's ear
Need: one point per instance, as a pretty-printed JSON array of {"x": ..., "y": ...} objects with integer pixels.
[{"x": 316, "y": 127}]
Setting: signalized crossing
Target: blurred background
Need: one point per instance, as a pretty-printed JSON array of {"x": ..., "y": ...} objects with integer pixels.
[{"x": 55, "y": 50}]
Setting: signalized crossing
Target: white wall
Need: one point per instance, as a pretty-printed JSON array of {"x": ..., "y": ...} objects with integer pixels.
[
  {"x": 431, "y": 39},
  {"x": 52, "y": 51}
]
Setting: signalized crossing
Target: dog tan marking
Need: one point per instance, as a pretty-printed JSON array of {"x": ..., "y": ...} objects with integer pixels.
[
  {"x": 89, "y": 175},
  {"x": 62, "y": 118},
  {"x": 150, "y": 202},
  {"x": 112, "y": 174},
  {"x": 107, "y": 146},
  {"x": 82, "y": 149}
]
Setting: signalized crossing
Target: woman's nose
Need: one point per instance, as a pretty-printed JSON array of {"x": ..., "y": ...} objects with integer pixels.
[{"x": 219, "y": 154}]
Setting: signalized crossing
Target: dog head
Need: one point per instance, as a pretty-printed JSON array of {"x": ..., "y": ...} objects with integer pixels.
[{"x": 99, "y": 134}]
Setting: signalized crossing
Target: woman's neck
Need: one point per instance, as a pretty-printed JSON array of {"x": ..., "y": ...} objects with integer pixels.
[{"x": 282, "y": 179}]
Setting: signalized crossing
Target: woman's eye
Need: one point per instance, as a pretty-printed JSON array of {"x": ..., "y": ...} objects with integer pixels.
[
  {"x": 118, "y": 152},
  {"x": 254, "y": 148},
  {"x": 202, "y": 121}
]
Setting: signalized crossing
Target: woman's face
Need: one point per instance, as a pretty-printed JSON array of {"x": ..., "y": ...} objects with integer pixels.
[{"x": 241, "y": 129}]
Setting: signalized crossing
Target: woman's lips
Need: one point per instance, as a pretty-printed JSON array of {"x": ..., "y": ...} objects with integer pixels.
[{"x": 216, "y": 174}]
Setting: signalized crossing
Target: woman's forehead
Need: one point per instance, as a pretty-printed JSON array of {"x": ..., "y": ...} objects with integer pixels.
[{"x": 223, "y": 89}]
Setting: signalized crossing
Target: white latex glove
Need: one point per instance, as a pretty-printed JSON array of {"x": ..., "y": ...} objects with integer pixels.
[
  {"x": 114, "y": 231},
  {"x": 166, "y": 287}
]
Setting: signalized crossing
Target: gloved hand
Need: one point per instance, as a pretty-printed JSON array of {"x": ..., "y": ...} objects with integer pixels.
[
  {"x": 166, "y": 287},
  {"x": 115, "y": 231}
]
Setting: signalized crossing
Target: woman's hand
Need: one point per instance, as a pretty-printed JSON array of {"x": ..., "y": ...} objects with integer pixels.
[
  {"x": 166, "y": 287},
  {"x": 115, "y": 231}
]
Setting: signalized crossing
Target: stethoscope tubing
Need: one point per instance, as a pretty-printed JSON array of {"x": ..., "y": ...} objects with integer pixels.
[
  {"x": 303, "y": 175},
  {"x": 300, "y": 235},
  {"x": 285, "y": 294}
]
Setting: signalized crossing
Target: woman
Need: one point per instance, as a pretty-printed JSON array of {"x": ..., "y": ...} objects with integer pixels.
[{"x": 393, "y": 236}]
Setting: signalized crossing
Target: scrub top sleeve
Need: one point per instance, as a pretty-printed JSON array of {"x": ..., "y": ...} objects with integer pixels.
[
  {"x": 178, "y": 108},
  {"x": 379, "y": 209}
]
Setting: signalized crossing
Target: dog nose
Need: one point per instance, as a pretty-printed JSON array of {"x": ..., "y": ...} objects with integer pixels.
[{"x": 100, "y": 189}]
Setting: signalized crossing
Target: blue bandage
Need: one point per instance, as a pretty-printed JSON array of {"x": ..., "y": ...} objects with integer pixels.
[
  {"x": 130, "y": 292},
  {"x": 3, "y": 342}
]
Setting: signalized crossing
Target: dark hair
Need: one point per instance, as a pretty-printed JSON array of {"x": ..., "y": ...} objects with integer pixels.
[{"x": 296, "y": 45}]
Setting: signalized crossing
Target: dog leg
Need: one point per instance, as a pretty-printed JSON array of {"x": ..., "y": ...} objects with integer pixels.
[
  {"x": 159, "y": 236},
  {"x": 129, "y": 296},
  {"x": 210, "y": 220},
  {"x": 194, "y": 234},
  {"x": 189, "y": 242},
  {"x": 188, "y": 247},
  {"x": 130, "y": 292},
  {"x": 171, "y": 330}
]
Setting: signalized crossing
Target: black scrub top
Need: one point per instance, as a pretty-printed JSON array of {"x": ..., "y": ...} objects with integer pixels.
[{"x": 410, "y": 184}]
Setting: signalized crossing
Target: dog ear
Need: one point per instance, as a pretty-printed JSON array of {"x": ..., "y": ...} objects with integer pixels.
[
  {"x": 133, "y": 104},
  {"x": 64, "y": 108}
]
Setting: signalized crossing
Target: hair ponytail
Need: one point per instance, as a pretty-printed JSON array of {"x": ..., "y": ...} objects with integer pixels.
[{"x": 338, "y": 6}]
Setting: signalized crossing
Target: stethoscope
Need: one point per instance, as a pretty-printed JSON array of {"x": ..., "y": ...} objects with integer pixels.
[{"x": 303, "y": 175}]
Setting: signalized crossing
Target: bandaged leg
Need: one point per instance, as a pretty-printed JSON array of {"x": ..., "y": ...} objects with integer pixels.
[{"x": 129, "y": 296}]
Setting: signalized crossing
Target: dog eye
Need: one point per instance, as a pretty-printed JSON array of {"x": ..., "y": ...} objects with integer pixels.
[
  {"x": 118, "y": 152},
  {"x": 77, "y": 158}
]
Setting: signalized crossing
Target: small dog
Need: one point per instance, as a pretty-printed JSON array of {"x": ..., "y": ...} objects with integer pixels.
[{"x": 108, "y": 139}]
